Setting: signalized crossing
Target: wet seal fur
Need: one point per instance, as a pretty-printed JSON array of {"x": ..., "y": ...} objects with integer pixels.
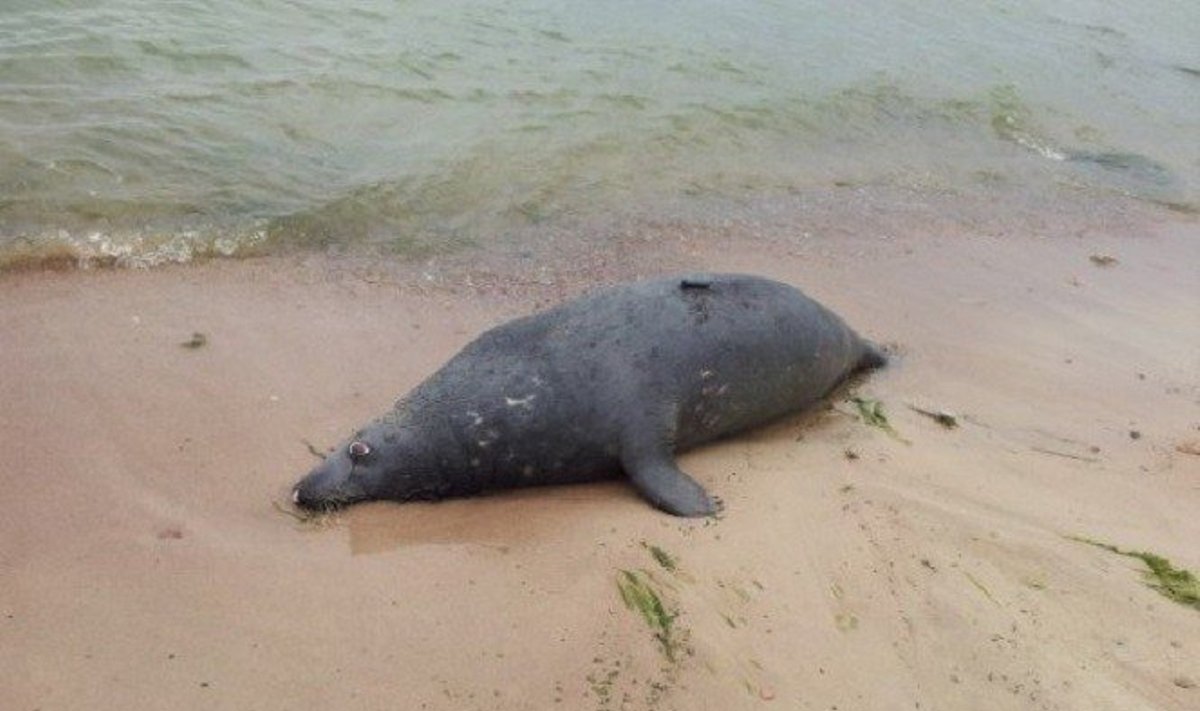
[{"x": 619, "y": 380}]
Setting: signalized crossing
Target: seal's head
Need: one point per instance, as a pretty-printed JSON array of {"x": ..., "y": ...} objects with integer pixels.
[{"x": 379, "y": 462}]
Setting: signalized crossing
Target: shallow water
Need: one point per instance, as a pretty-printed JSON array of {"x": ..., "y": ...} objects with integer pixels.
[{"x": 141, "y": 131}]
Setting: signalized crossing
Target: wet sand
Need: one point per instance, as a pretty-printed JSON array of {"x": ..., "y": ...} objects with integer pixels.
[{"x": 145, "y": 564}]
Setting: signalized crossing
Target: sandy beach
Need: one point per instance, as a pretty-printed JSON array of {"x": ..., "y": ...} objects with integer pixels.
[{"x": 146, "y": 562}]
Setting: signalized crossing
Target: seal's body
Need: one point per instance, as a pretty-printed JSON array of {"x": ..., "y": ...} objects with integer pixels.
[{"x": 616, "y": 381}]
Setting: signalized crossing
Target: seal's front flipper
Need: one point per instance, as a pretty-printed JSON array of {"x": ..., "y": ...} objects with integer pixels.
[
  {"x": 662, "y": 484},
  {"x": 647, "y": 455}
]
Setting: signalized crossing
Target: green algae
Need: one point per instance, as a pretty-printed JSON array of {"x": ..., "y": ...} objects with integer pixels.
[
  {"x": 846, "y": 622},
  {"x": 1178, "y": 584},
  {"x": 975, "y": 581},
  {"x": 668, "y": 562},
  {"x": 638, "y": 593},
  {"x": 871, "y": 412},
  {"x": 198, "y": 340},
  {"x": 945, "y": 419}
]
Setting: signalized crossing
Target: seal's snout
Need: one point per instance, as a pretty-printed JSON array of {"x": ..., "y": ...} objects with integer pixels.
[
  {"x": 320, "y": 500},
  {"x": 303, "y": 497},
  {"x": 329, "y": 485}
]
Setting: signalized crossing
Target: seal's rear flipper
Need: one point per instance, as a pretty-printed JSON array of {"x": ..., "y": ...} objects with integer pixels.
[{"x": 873, "y": 357}]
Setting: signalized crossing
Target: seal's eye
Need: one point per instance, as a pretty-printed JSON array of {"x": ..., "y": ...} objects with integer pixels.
[{"x": 359, "y": 449}]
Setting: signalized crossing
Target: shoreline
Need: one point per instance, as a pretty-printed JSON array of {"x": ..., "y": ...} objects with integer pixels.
[
  {"x": 844, "y": 210},
  {"x": 145, "y": 563}
]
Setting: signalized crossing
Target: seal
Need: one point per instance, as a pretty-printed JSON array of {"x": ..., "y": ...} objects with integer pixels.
[{"x": 614, "y": 382}]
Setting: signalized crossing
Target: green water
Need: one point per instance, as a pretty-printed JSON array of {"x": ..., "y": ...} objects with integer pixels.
[{"x": 151, "y": 131}]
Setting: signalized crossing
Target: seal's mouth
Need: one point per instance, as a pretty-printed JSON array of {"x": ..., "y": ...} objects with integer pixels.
[{"x": 324, "y": 502}]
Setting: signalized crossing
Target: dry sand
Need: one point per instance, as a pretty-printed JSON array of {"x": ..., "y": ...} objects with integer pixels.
[{"x": 145, "y": 565}]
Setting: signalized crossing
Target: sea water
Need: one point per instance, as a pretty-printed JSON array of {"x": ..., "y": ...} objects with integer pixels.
[{"x": 143, "y": 131}]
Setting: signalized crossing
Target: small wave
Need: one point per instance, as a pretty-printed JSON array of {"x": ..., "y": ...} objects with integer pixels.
[
  {"x": 96, "y": 249},
  {"x": 1012, "y": 120},
  {"x": 342, "y": 86},
  {"x": 1128, "y": 173},
  {"x": 1009, "y": 128},
  {"x": 192, "y": 57}
]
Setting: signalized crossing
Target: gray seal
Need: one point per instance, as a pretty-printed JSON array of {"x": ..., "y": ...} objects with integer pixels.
[{"x": 617, "y": 381}]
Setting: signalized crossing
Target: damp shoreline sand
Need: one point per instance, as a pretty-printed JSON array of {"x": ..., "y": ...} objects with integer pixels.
[{"x": 145, "y": 564}]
